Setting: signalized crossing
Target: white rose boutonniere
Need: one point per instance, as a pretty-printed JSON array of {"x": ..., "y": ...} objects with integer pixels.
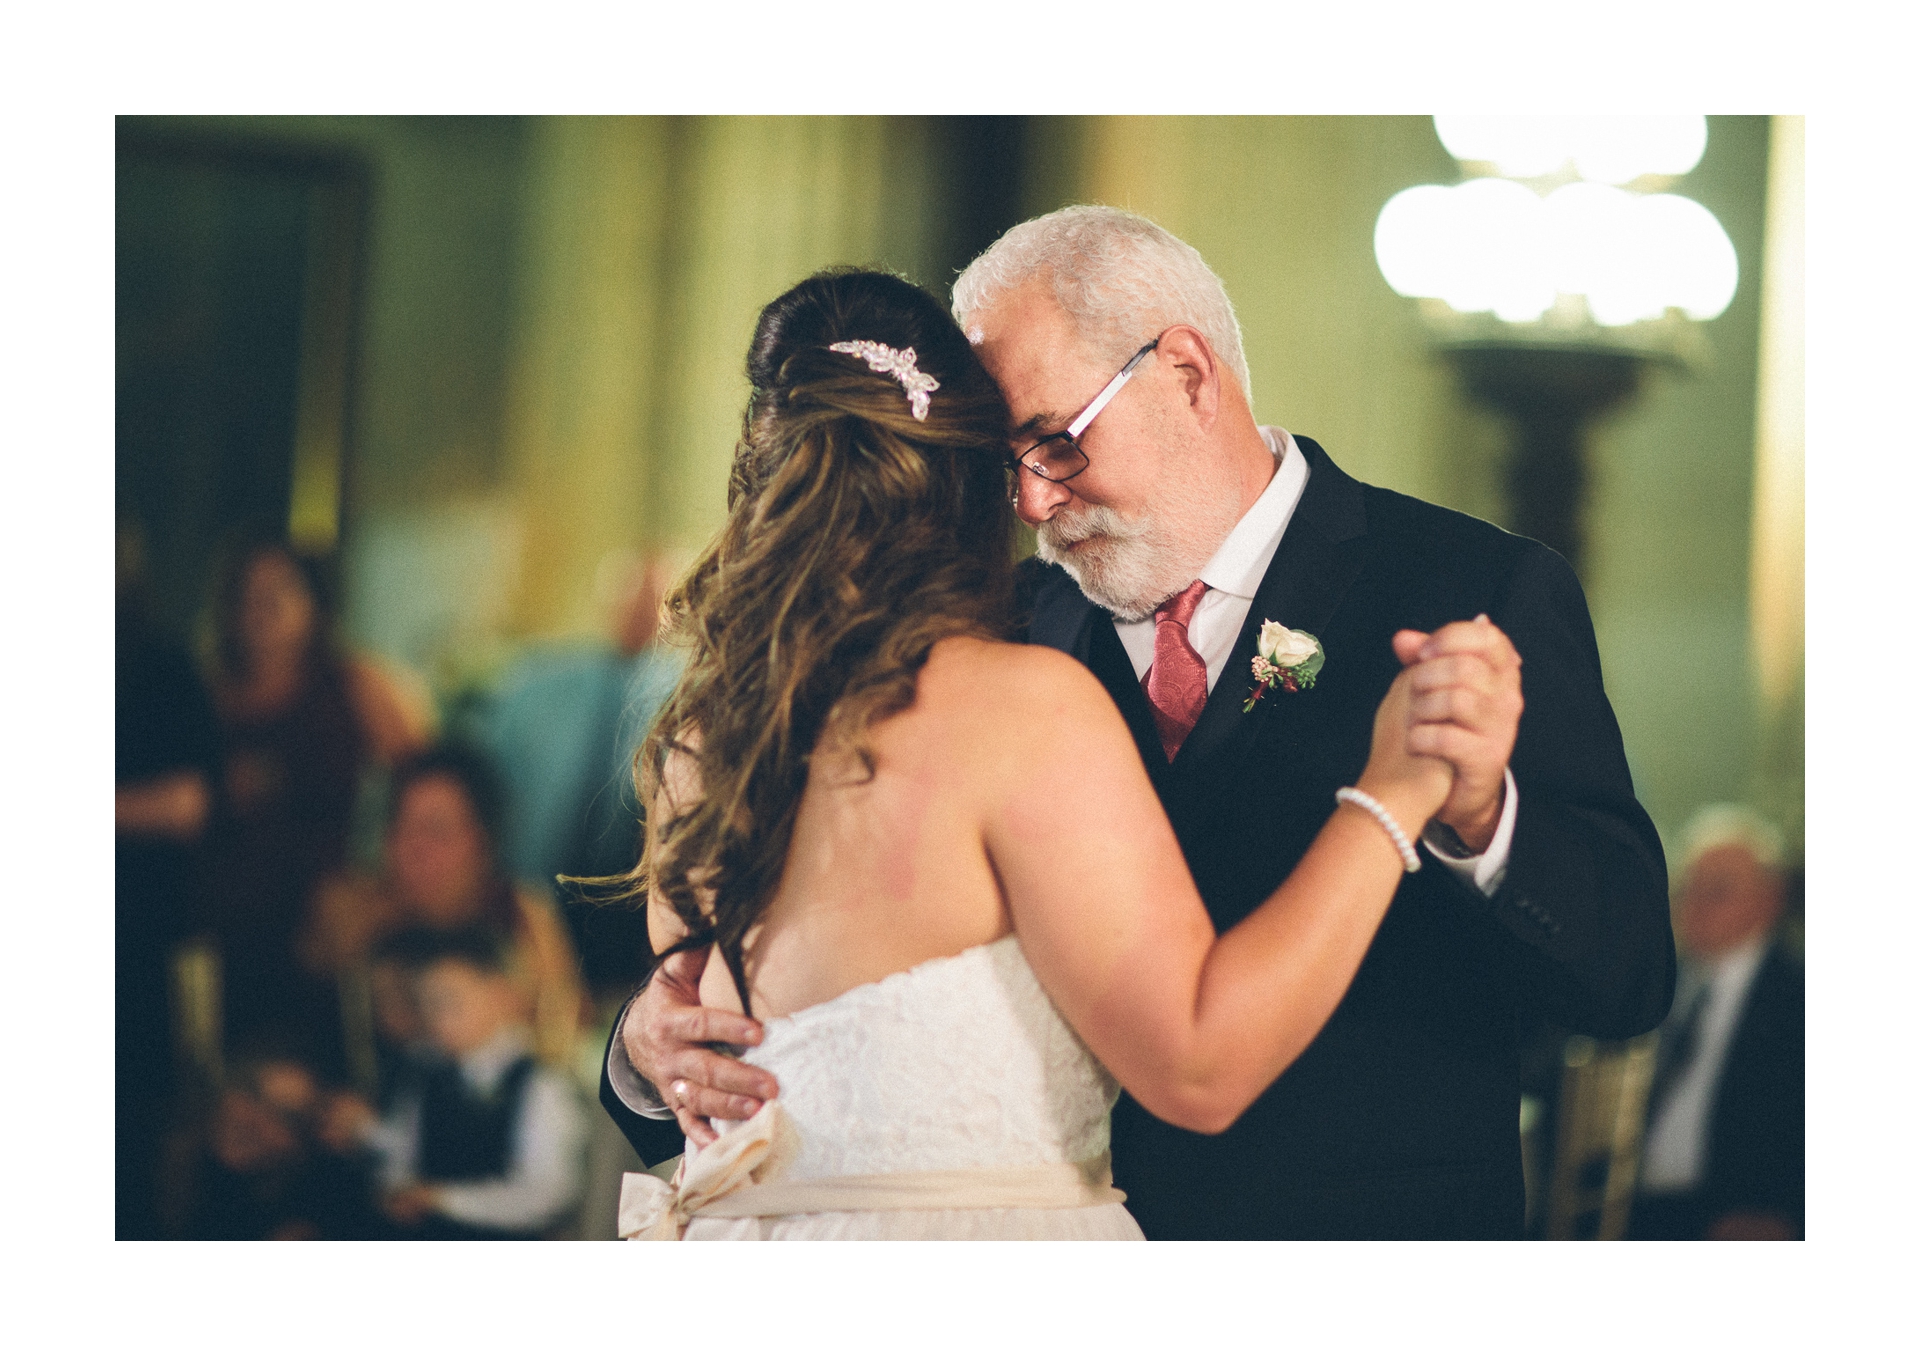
[{"x": 1286, "y": 659}]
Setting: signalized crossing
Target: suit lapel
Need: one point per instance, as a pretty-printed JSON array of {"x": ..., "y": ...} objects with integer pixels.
[
  {"x": 1320, "y": 554},
  {"x": 1111, "y": 664},
  {"x": 1060, "y": 614}
]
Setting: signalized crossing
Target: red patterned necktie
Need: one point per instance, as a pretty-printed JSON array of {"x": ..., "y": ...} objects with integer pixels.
[{"x": 1177, "y": 683}]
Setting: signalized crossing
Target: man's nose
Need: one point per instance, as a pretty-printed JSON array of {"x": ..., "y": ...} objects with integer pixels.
[{"x": 1037, "y": 499}]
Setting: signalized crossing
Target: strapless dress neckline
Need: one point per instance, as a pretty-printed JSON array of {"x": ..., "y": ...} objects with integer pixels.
[{"x": 960, "y": 1062}]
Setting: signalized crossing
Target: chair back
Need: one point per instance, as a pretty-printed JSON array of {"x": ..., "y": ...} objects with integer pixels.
[{"x": 1601, "y": 1125}]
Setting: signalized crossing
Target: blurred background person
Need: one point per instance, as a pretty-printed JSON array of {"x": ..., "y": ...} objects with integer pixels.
[
  {"x": 1725, "y": 1154},
  {"x": 265, "y": 1168},
  {"x": 166, "y": 757},
  {"x": 441, "y": 871},
  {"x": 563, "y": 725},
  {"x": 490, "y": 1142},
  {"x": 301, "y": 723}
]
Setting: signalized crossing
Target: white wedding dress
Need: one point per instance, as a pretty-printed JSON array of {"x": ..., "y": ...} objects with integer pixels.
[{"x": 956, "y": 1084}]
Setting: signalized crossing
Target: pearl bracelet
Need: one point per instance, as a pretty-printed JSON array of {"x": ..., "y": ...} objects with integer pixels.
[{"x": 1353, "y": 795}]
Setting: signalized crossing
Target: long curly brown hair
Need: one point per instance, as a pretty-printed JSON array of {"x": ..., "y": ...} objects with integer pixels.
[{"x": 857, "y": 537}]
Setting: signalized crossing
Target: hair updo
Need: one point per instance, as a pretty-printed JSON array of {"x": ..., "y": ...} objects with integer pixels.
[{"x": 857, "y": 538}]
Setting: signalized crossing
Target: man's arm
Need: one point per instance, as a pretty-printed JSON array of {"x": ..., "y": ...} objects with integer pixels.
[
  {"x": 664, "y": 1036},
  {"x": 1583, "y": 910},
  {"x": 1484, "y": 871},
  {"x": 656, "y": 1137},
  {"x": 1467, "y": 704}
]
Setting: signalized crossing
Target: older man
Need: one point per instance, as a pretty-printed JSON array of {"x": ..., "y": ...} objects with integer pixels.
[
  {"x": 1172, "y": 529},
  {"x": 1726, "y": 1134}
]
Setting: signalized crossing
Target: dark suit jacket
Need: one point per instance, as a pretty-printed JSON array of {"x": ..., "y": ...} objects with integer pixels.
[
  {"x": 655, "y": 1141},
  {"x": 1757, "y": 1130},
  {"x": 1401, "y": 1119}
]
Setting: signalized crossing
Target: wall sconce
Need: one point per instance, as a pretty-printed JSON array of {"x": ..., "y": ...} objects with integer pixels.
[{"x": 1554, "y": 275}]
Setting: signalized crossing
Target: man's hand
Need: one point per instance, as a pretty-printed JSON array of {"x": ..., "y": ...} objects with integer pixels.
[
  {"x": 1466, "y": 709},
  {"x": 665, "y": 1035}
]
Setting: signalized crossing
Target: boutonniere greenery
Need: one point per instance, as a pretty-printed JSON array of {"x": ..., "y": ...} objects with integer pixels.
[{"x": 1288, "y": 660}]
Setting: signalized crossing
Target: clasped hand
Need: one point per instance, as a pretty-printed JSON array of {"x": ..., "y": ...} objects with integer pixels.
[{"x": 1463, "y": 706}]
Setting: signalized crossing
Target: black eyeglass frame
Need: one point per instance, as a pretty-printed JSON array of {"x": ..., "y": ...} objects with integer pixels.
[{"x": 1070, "y": 435}]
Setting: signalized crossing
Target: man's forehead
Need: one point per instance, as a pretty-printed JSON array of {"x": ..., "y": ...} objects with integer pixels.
[{"x": 1033, "y": 351}]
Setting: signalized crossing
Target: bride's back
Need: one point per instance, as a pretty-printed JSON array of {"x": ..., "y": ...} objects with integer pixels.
[
  {"x": 815, "y": 782},
  {"x": 890, "y": 869}
]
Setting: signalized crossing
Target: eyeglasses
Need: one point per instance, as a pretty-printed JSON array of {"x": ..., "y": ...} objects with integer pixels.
[{"x": 1058, "y": 457}]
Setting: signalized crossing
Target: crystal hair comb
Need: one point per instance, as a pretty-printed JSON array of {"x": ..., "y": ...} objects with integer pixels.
[{"x": 898, "y": 363}]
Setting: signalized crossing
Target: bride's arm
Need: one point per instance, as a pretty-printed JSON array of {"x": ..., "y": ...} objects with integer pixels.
[{"x": 1193, "y": 1025}]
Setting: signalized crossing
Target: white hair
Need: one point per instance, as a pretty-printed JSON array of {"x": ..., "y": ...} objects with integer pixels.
[
  {"x": 1718, "y": 826},
  {"x": 1119, "y": 278}
]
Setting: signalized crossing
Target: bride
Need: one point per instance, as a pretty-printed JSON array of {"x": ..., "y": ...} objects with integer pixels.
[{"x": 929, "y": 860}]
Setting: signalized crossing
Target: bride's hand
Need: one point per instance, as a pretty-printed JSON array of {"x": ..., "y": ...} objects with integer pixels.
[{"x": 1412, "y": 786}]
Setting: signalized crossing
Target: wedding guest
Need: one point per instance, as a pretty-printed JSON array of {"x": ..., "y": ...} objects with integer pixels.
[
  {"x": 490, "y": 1144},
  {"x": 404, "y": 1050},
  {"x": 1725, "y": 1155},
  {"x": 563, "y": 726},
  {"x": 441, "y": 871},
  {"x": 301, "y": 722},
  {"x": 265, "y": 1168},
  {"x": 166, "y": 754}
]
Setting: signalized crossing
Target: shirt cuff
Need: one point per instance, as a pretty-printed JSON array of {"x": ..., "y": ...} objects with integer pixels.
[
  {"x": 1483, "y": 871},
  {"x": 634, "y": 1092}
]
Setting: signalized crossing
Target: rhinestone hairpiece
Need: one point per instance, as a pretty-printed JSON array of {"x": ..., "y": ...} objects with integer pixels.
[{"x": 898, "y": 363}]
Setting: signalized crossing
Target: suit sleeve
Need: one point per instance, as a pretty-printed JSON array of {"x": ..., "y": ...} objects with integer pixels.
[
  {"x": 654, "y": 1140},
  {"x": 1582, "y": 913}
]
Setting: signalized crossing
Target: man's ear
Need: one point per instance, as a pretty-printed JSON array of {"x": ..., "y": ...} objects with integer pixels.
[{"x": 1195, "y": 366}]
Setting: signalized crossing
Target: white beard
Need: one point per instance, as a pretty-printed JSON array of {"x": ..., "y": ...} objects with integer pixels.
[{"x": 1128, "y": 567}]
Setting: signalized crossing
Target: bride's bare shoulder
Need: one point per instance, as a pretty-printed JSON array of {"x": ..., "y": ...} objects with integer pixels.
[{"x": 1011, "y": 685}]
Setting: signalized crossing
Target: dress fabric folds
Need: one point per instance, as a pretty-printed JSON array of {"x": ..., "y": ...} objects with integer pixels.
[{"x": 956, "y": 1079}]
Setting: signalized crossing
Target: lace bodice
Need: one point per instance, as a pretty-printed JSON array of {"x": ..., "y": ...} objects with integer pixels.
[{"x": 961, "y": 1062}]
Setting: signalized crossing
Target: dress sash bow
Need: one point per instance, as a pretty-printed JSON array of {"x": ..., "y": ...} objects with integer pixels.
[
  {"x": 737, "y": 1176},
  {"x": 756, "y": 1150}
]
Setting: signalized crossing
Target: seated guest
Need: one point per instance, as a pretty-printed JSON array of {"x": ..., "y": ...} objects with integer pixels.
[
  {"x": 441, "y": 872},
  {"x": 1725, "y": 1154},
  {"x": 266, "y": 1170},
  {"x": 165, "y": 763},
  {"x": 489, "y": 1143},
  {"x": 302, "y": 721},
  {"x": 405, "y": 1050}
]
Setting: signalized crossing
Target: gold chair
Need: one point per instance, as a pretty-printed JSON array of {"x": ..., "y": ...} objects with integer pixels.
[{"x": 1601, "y": 1124}]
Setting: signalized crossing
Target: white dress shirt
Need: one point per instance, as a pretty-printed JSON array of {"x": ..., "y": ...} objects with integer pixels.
[
  {"x": 546, "y": 1154},
  {"x": 1675, "y": 1158},
  {"x": 1233, "y": 576}
]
